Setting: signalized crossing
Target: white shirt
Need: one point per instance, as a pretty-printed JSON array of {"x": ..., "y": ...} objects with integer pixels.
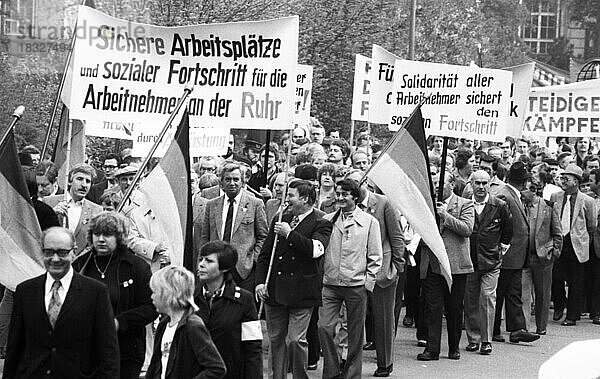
[
  {"x": 74, "y": 212},
  {"x": 479, "y": 206},
  {"x": 165, "y": 347},
  {"x": 236, "y": 205},
  {"x": 65, "y": 283},
  {"x": 318, "y": 248}
]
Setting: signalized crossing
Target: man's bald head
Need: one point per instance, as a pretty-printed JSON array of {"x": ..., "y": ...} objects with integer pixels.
[
  {"x": 480, "y": 181},
  {"x": 480, "y": 175}
]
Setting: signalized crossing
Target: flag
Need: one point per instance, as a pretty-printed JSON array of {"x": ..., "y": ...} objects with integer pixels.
[
  {"x": 20, "y": 233},
  {"x": 77, "y": 154},
  {"x": 167, "y": 191},
  {"x": 402, "y": 173}
]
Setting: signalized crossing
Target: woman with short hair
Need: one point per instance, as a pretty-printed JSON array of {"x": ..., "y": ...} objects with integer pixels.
[
  {"x": 182, "y": 345},
  {"x": 127, "y": 278}
]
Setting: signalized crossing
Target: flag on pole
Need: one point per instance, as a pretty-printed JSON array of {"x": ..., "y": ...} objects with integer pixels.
[
  {"x": 20, "y": 233},
  {"x": 62, "y": 143},
  {"x": 402, "y": 173},
  {"x": 167, "y": 191}
]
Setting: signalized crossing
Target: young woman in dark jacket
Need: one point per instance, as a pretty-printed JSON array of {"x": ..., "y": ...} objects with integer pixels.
[
  {"x": 182, "y": 346},
  {"x": 229, "y": 312}
]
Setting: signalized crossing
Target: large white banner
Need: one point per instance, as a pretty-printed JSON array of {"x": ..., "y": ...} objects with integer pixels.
[
  {"x": 244, "y": 73},
  {"x": 519, "y": 93},
  {"x": 458, "y": 101},
  {"x": 382, "y": 77},
  {"x": 360, "y": 94},
  {"x": 569, "y": 110},
  {"x": 304, "y": 79}
]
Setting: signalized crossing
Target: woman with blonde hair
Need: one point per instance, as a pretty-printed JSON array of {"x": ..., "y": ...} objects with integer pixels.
[{"x": 182, "y": 345}]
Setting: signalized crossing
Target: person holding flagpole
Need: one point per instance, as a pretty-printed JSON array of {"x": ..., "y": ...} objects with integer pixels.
[{"x": 457, "y": 217}]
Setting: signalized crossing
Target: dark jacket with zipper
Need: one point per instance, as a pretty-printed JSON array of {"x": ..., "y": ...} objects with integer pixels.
[
  {"x": 134, "y": 308},
  {"x": 493, "y": 226},
  {"x": 192, "y": 353}
]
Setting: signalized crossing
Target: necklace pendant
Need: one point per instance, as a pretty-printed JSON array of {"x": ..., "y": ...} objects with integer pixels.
[{"x": 102, "y": 276}]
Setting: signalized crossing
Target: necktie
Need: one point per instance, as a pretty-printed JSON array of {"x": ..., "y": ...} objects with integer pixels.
[
  {"x": 54, "y": 304},
  {"x": 228, "y": 221},
  {"x": 565, "y": 221},
  {"x": 294, "y": 222}
]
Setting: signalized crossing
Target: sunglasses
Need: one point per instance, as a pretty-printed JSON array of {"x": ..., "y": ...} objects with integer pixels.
[{"x": 62, "y": 253}]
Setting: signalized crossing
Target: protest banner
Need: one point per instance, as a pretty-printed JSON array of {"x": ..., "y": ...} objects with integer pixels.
[
  {"x": 519, "y": 93},
  {"x": 304, "y": 77},
  {"x": 569, "y": 110},
  {"x": 382, "y": 76},
  {"x": 458, "y": 101},
  {"x": 243, "y": 72},
  {"x": 110, "y": 129},
  {"x": 360, "y": 94}
]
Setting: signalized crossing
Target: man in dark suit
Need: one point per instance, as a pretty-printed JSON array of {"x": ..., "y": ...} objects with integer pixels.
[
  {"x": 545, "y": 244},
  {"x": 62, "y": 324},
  {"x": 74, "y": 211},
  {"x": 237, "y": 218},
  {"x": 382, "y": 299},
  {"x": 511, "y": 270},
  {"x": 456, "y": 225},
  {"x": 294, "y": 288},
  {"x": 578, "y": 224},
  {"x": 491, "y": 237},
  {"x": 110, "y": 167}
]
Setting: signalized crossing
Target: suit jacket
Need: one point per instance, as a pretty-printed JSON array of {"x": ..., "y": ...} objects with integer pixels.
[
  {"x": 455, "y": 230},
  {"x": 584, "y": 221},
  {"x": 546, "y": 233},
  {"x": 88, "y": 211},
  {"x": 296, "y": 276},
  {"x": 392, "y": 239},
  {"x": 248, "y": 232},
  {"x": 198, "y": 207},
  {"x": 83, "y": 342},
  {"x": 492, "y": 227},
  {"x": 517, "y": 253}
]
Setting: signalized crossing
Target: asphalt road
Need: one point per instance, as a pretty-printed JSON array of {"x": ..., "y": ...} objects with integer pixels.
[{"x": 506, "y": 361}]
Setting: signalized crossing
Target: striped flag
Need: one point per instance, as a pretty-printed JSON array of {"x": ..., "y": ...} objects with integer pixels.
[
  {"x": 402, "y": 173},
  {"x": 167, "y": 191},
  {"x": 20, "y": 233},
  {"x": 77, "y": 154}
]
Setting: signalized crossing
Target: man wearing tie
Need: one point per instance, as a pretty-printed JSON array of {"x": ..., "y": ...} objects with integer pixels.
[
  {"x": 578, "y": 223},
  {"x": 238, "y": 218},
  {"x": 62, "y": 324},
  {"x": 73, "y": 210}
]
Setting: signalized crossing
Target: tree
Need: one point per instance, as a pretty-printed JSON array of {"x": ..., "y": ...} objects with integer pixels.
[{"x": 587, "y": 12}]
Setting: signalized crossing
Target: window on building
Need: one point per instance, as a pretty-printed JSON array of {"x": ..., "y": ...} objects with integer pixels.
[{"x": 541, "y": 28}]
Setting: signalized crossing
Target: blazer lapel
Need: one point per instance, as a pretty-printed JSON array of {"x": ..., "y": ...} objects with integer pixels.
[
  {"x": 219, "y": 216},
  {"x": 41, "y": 299},
  {"x": 72, "y": 297},
  {"x": 241, "y": 212},
  {"x": 578, "y": 205},
  {"x": 85, "y": 215},
  {"x": 517, "y": 200},
  {"x": 486, "y": 213},
  {"x": 538, "y": 210}
]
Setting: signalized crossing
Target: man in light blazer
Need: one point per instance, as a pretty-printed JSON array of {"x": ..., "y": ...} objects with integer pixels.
[
  {"x": 456, "y": 225},
  {"x": 237, "y": 218},
  {"x": 382, "y": 299},
  {"x": 62, "y": 325},
  {"x": 511, "y": 271},
  {"x": 578, "y": 224},
  {"x": 74, "y": 211},
  {"x": 545, "y": 244}
]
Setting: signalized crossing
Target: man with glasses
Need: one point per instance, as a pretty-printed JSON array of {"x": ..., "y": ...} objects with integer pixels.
[
  {"x": 110, "y": 167},
  {"x": 72, "y": 333}
]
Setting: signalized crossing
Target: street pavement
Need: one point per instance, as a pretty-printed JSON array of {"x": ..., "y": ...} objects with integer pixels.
[{"x": 506, "y": 361}]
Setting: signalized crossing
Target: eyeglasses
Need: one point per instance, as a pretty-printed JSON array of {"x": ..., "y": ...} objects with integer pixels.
[
  {"x": 62, "y": 253},
  {"x": 108, "y": 167}
]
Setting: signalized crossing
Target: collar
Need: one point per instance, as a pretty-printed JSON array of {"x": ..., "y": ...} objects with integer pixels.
[
  {"x": 450, "y": 199},
  {"x": 485, "y": 201},
  {"x": 237, "y": 198},
  {"x": 514, "y": 190},
  {"x": 217, "y": 293},
  {"x": 65, "y": 281},
  {"x": 70, "y": 199},
  {"x": 304, "y": 215}
]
